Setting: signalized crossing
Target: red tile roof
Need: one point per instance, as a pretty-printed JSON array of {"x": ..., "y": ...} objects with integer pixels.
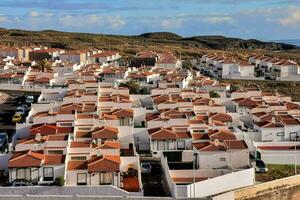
[
  {"x": 77, "y": 164},
  {"x": 34, "y": 159},
  {"x": 105, "y": 133},
  {"x": 104, "y": 164},
  {"x": 162, "y": 134}
]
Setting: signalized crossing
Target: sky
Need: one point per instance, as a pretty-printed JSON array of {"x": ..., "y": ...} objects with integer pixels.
[{"x": 258, "y": 19}]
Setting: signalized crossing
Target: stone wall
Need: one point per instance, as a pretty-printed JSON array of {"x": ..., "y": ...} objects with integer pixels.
[{"x": 282, "y": 189}]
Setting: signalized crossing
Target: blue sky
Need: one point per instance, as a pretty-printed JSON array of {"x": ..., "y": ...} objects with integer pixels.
[{"x": 260, "y": 19}]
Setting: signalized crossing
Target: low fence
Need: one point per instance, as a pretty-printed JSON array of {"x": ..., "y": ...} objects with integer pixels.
[
  {"x": 277, "y": 189},
  {"x": 165, "y": 167},
  {"x": 267, "y": 188},
  {"x": 103, "y": 190},
  {"x": 76, "y": 197},
  {"x": 20, "y": 87},
  {"x": 223, "y": 183}
]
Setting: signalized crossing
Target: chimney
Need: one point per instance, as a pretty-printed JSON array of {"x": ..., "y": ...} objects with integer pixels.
[{"x": 50, "y": 112}]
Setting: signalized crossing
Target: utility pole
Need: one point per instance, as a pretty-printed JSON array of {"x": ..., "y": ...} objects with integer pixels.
[{"x": 295, "y": 157}]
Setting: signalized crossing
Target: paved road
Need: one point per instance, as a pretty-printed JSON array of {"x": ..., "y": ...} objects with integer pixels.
[
  {"x": 8, "y": 105},
  {"x": 153, "y": 184}
]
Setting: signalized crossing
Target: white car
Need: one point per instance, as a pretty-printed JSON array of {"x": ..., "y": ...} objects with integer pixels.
[
  {"x": 146, "y": 167},
  {"x": 29, "y": 99}
]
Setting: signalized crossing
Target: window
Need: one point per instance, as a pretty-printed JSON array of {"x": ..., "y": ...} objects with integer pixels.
[
  {"x": 181, "y": 145},
  {"x": 198, "y": 131},
  {"x": 223, "y": 159},
  {"x": 294, "y": 136},
  {"x": 23, "y": 173},
  {"x": 106, "y": 178},
  {"x": 280, "y": 134},
  {"x": 84, "y": 129},
  {"x": 20, "y": 173},
  {"x": 160, "y": 145},
  {"x": 48, "y": 173},
  {"x": 66, "y": 124},
  {"x": 125, "y": 121},
  {"x": 55, "y": 152},
  {"x": 78, "y": 158},
  {"x": 81, "y": 179}
]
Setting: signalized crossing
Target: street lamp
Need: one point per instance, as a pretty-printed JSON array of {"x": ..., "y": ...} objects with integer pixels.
[
  {"x": 194, "y": 175},
  {"x": 295, "y": 157}
]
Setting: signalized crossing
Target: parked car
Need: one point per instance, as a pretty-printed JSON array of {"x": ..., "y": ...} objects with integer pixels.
[
  {"x": 3, "y": 140},
  {"x": 30, "y": 99},
  {"x": 21, "y": 183},
  {"x": 260, "y": 166},
  {"x": 17, "y": 118},
  {"x": 21, "y": 110},
  {"x": 146, "y": 167}
]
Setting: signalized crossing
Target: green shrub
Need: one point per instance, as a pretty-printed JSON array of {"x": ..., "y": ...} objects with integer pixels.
[{"x": 60, "y": 181}]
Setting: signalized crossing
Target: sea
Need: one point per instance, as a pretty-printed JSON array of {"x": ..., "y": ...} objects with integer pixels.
[{"x": 293, "y": 42}]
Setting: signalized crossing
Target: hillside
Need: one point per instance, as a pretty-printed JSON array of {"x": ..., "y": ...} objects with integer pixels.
[{"x": 129, "y": 45}]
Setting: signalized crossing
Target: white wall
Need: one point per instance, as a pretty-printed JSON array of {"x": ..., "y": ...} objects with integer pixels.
[
  {"x": 281, "y": 157},
  {"x": 222, "y": 183},
  {"x": 220, "y": 159},
  {"x": 165, "y": 168},
  {"x": 141, "y": 138}
]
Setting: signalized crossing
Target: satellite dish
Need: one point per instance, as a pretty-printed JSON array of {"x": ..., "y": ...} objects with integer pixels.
[
  {"x": 165, "y": 123},
  {"x": 217, "y": 143},
  {"x": 273, "y": 120},
  {"x": 38, "y": 137},
  {"x": 214, "y": 127}
]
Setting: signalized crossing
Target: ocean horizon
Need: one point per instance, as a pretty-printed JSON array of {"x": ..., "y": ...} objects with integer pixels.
[{"x": 293, "y": 42}]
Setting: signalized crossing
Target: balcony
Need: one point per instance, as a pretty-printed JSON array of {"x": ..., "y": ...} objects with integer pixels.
[{"x": 127, "y": 152}]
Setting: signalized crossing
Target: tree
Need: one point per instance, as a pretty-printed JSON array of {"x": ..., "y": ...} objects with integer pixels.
[
  {"x": 187, "y": 64},
  {"x": 234, "y": 88},
  {"x": 213, "y": 94},
  {"x": 60, "y": 181},
  {"x": 43, "y": 65},
  {"x": 134, "y": 87}
]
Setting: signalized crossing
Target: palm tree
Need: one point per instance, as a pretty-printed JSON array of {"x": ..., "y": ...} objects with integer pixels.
[{"x": 43, "y": 65}]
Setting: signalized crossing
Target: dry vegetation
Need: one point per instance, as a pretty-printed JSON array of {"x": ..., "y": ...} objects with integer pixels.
[
  {"x": 164, "y": 41},
  {"x": 289, "y": 88}
]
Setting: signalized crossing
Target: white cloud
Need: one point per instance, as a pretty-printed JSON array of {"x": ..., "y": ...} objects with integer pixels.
[
  {"x": 3, "y": 19},
  {"x": 292, "y": 18},
  {"x": 92, "y": 20},
  {"x": 115, "y": 21},
  {"x": 34, "y": 14},
  {"x": 172, "y": 23},
  {"x": 80, "y": 20},
  {"x": 48, "y": 14},
  {"x": 217, "y": 19}
]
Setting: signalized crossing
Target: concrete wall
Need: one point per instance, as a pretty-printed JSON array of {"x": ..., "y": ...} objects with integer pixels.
[
  {"x": 20, "y": 87},
  {"x": 223, "y": 183},
  {"x": 215, "y": 159},
  {"x": 165, "y": 167},
  {"x": 87, "y": 197},
  {"x": 4, "y": 161},
  {"x": 103, "y": 190},
  {"x": 277, "y": 189},
  {"x": 141, "y": 138}
]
